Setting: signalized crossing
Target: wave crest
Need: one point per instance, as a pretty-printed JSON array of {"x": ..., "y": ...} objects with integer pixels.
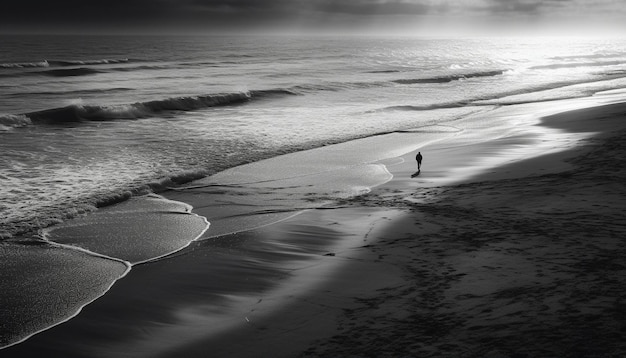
[
  {"x": 445, "y": 105},
  {"x": 10, "y": 121},
  {"x": 43, "y": 63},
  {"x": 77, "y": 113},
  {"x": 63, "y": 63},
  {"x": 449, "y": 78},
  {"x": 558, "y": 66},
  {"x": 194, "y": 103},
  {"x": 87, "y": 62}
]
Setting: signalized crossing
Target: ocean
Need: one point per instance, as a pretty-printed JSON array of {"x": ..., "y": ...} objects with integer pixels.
[{"x": 86, "y": 121}]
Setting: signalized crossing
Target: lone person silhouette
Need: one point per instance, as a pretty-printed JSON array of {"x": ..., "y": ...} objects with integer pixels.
[{"x": 418, "y": 157}]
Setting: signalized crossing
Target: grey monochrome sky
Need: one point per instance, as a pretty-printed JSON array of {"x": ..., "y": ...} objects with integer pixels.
[{"x": 407, "y": 17}]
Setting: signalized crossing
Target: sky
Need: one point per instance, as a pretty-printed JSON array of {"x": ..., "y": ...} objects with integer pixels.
[{"x": 402, "y": 17}]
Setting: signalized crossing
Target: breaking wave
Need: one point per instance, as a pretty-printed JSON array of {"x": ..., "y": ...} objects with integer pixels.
[
  {"x": 10, "y": 121},
  {"x": 87, "y": 62},
  {"x": 339, "y": 86},
  {"x": 449, "y": 78},
  {"x": 577, "y": 65},
  {"x": 78, "y": 113},
  {"x": 383, "y": 71},
  {"x": 62, "y": 68},
  {"x": 429, "y": 107},
  {"x": 25, "y": 64},
  {"x": 63, "y": 63}
]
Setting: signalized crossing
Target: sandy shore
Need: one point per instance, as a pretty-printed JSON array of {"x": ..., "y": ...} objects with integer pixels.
[
  {"x": 524, "y": 259},
  {"x": 506, "y": 264},
  {"x": 526, "y": 266}
]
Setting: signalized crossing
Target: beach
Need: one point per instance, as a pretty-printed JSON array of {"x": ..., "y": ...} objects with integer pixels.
[
  {"x": 506, "y": 247},
  {"x": 528, "y": 266}
]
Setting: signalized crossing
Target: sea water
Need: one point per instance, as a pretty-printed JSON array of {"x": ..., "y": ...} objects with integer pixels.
[
  {"x": 90, "y": 120},
  {"x": 87, "y": 121}
]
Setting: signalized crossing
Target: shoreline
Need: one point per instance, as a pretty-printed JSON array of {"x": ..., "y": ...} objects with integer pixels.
[
  {"x": 378, "y": 316},
  {"x": 483, "y": 288},
  {"x": 348, "y": 315},
  {"x": 336, "y": 296}
]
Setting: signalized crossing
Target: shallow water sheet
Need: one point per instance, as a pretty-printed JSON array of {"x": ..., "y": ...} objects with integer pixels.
[{"x": 42, "y": 285}]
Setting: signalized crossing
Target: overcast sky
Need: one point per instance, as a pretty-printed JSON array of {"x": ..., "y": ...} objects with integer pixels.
[{"x": 419, "y": 17}]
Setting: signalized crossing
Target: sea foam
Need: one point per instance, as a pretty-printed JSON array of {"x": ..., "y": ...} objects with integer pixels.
[
  {"x": 10, "y": 121},
  {"x": 43, "y": 63}
]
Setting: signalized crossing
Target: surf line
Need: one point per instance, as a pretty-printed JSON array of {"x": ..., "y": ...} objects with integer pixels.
[
  {"x": 187, "y": 211},
  {"x": 160, "y": 257}
]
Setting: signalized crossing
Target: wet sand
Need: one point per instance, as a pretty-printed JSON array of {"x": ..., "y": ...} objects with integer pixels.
[
  {"x": 505, "y": 264},
  {"x": 523, "y": 259},
  {"x": 524, "y": 266}
]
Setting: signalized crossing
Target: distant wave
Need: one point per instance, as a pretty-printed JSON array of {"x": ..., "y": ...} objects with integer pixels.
[
  {"x": 449, "y": 78},
  {"x": 429, "y": 106},
  {"x": 616, "y": 73},
  {"x": 592, "y": 56},
  {"x": 340, "y": 86},
  {"x": 80, "y": 71},
  {"x": 139, "y": 68},
  {"x": 53, "y": 72},
  {"x": 87, "y": 62},
  {"x": 73, "y": 92},
  {"x": 504, "y": 98},
  {"x": 276, "y": 92},
  {"x": 25, "y": 64},
  {"x": 78, "y": 113},
  {"x": 70, "y": 72},
  {"x": 384, "y": 71},
  {"x": 64, "y": 63},
  {"x": 59, "y": 68},
  {"x": 557, "y": 66}
]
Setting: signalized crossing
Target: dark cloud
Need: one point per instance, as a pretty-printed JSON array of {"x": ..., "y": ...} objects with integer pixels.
[
  {"x": 516, "y": 6},
  {"x": 196, "y": 13},
  {"x": 355, "y": 7},
  {"x": 530, "y": 7},
  {"x": 373, "y": 8},
  {"x": 68, "y": 13},
  {"x": 165, "y": 15}
]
